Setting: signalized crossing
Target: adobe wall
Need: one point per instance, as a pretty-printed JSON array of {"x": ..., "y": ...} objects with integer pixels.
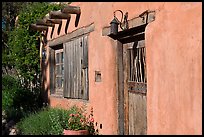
[{"x": 173, "y": 43}]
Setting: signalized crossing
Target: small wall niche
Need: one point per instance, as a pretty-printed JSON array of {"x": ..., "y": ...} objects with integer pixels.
[{"x": 97, "y": 76}]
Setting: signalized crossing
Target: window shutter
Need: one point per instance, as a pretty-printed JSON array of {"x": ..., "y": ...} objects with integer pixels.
[
  {"x": 76, "y": 68},
  {"x": 52, "y": 65}
]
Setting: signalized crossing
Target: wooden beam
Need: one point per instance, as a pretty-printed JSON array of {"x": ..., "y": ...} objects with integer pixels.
[
  {"x": 143, "y": 19},
  {"x": 38, "y": 27},
  {"x": 72, "y": 35},
  {"x": 45, "y": 23},
  {"x": 55, "y": 21},
  {"x": 59, "y": 15},
  {"x": 73, "y": 10}
]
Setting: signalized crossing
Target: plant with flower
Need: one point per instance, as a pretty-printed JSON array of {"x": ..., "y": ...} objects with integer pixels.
[{"x": 78, "y": 120}]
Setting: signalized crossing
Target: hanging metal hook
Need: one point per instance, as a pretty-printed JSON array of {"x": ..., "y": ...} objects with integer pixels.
[
  {"x": 117, "y": 18},
  {"x": 123, "y": 23}
]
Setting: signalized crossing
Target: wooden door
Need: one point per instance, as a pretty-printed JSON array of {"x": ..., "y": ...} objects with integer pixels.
[{"x": 135, "y": 88}]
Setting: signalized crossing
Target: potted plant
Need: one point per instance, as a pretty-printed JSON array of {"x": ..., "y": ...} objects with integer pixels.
[{"x": 79, "y": 124}]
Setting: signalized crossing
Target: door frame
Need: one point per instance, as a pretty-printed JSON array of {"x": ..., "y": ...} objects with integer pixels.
[{"x": 143, "y": 19}]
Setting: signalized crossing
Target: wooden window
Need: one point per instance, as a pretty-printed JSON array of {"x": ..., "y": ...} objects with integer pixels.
[
  {"x": 69, "y": 69},
  {"x": 57, "y": 70}
]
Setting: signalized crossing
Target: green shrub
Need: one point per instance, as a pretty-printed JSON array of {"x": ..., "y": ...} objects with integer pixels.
[
  {"x": 48, "y": 121},
  {"x": 16, "y": 100}
]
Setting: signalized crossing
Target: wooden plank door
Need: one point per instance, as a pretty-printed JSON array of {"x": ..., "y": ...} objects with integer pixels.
[{"x": 135, "y": 88}]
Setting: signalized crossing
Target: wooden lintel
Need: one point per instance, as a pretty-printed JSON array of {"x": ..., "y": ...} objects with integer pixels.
[
  {"x": 129, "y": 39},
  {"x": 38, "y": 27},
  {"x": 135, "y": 22},
  {"x": 45, "y": 23},
  {"x": 79, "y": 32},
  {"x": 55, "y": 21},
  {"x": 59, "y": 15}
]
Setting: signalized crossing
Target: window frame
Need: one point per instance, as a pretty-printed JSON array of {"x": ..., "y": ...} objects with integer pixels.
[{"x": 57, "y": 49}]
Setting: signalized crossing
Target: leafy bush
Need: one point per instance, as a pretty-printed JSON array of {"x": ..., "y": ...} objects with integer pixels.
[
  {"x": 48, "y": 121},
  {"x": 9, "y": 86},
  {"x": 51, "y": 121},
  {"x": 16, "y": 100}
]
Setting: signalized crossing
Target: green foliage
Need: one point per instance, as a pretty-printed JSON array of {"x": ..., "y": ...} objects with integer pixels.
[
  {"x": 9, "y": 86},
  {"x": 22, "y": 41},
  {"x": 52, "y": 121},
  {"x": 48, "y": 121},
  {"x": 16, "y": 100},
  {"x": 9, "y": 12}
]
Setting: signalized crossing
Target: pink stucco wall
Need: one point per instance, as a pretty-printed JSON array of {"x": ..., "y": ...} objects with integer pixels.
[{"x": 173, "y": 43}]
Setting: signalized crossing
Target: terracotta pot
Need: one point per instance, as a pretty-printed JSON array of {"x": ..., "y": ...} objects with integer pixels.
[{"x": 75, "y": 132}]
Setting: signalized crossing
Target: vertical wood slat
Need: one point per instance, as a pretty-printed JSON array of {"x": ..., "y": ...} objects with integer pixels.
[
  {"x": 66, "y": 69},
  {"x": 65, "y": 93},
  {"x": 74, "y": 68},
  {"x": 85, "y": 65},
  {"x": 82, "y": 70},
  {"x": 140, "y": 62},
  {"x": 144, "y": 60},
  {"x": 52, "y": 66},
  {"x": 131, "y": 65},
  {"x": 85, "y": 52},
  {"x": 136, "y": 70},
  {"x": 71, "y": 69},
  {"x": 79, "y": 67}
]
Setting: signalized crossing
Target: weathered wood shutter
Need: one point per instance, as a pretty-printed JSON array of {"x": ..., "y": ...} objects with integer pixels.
[
  {"x": 52, "y": 70},
  {"x": 76, "y": 69}
]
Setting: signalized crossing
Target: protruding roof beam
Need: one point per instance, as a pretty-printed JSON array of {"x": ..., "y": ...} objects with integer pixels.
[
  {"x": 55, "y": 21},
  {"x": 73, "y": 10},
  {"x": 38, "y": 27},
  {"x": 59, "y": 15},
  {"x": 45, "y": 23}
]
